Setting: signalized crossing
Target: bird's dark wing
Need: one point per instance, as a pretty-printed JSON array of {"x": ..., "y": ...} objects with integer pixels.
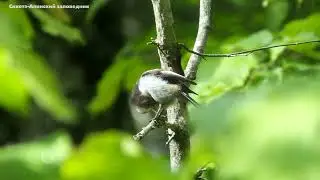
[{"x": 175, "y": 78}]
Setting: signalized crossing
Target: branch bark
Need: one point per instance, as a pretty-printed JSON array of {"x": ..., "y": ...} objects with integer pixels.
[
  {"x": 201, "y": 40},
  {"x": 151, "y": 126},
  {"x": 170, "y": 58}
]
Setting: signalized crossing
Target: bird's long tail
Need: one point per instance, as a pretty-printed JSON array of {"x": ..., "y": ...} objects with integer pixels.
[{"x": 189, "y": 98}]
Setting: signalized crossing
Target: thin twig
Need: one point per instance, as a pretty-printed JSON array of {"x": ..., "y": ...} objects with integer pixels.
[
  {"x": 201, "y": 40},
  {"x": 154, "y": 42},
  {"x": 246, "y": 52},
  {"x": 156, "y": 122},
  {"x": 151, "y": 126}
]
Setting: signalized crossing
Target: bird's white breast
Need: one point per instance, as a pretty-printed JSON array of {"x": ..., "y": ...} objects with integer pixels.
[
  {"x": 160, "y": 90},
  {"x": 148, "y": 83}
]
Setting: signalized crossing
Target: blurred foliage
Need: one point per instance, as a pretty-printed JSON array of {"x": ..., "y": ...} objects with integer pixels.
[
  {"x": 30, "y": 71},
  {"x": 113, "y": 155},
  {"x": 268, "y": 133},
  {"x": 259, "y": 117},
  {"x": 56, "y": 27},
  {"x": 94, "y": 7},
  {"x": 38, "y": 160}
]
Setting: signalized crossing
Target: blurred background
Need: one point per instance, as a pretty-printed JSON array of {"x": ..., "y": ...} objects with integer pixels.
[{"x": 66, "y": 75}]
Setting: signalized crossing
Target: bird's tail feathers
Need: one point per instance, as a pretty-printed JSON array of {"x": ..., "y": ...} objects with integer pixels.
[
  {"x": 187, "y": 90},
  {"x": 189, "y": 98}
]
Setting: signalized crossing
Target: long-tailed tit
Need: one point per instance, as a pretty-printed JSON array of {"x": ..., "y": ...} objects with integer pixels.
[{"x": 160, "y": 88}]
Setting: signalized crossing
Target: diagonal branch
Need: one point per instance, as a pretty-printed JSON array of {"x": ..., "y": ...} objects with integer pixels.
[
  {"x": 246, "y": 52},
  {"x": 201, "y": 40},
  {"x": 145, "y": 130}
]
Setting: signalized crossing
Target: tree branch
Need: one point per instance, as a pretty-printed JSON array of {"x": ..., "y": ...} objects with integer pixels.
[
  {"x": 246, "y": 52},
  {"x": 151, "y": 126},
  {"x": 170, "y": 59},
  {"x": 201, "y": 40}
]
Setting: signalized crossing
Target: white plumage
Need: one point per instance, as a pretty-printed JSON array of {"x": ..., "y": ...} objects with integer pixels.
[{"x": 159, "y": 89}]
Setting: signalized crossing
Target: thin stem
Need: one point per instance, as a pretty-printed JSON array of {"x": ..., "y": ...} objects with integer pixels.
[
  {"x": 247, "y": 52},
  {"x": 145, "y": 130},
  {"x": 151, "y": 126}
]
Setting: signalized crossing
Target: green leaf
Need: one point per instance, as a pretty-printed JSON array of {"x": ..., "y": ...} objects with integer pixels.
[
  {"x": 16, "y": 30},
  {"x": 42, "y": 84},
  {"x": 309, "y": 25},
  {"x": 37, "y": 160},
  {"x": 231, "y": 73},
  {"x": 130, "y": 62},
  {"x": 55, "y": 27},
  {"x": 114, "y": 156},
  {"x": 258, "y": 39},
  {"x": 108, "y": 87},
  {"x": 268, "y": 133},
  {"x": 273, "y": 133},
  {"x": 275, "y": 53},
  {"x": 276, "y": 13},
  {"x": 303, "y": 30},
  {"x": 27, "y": 69},
  {"x": 13, "y": 93}
]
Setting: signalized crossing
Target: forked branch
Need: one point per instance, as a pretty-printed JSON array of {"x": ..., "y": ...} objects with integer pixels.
[{"x": 169, "y": 53}]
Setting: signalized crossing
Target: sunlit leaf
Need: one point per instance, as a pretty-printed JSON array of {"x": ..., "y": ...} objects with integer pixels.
[
  {"x": 229, "y": 74},
  {"x": 131, "y": 61},
  {"x": 13, "y": 93},
  {"x": 275, "y": 53},
  {"x": 16, "y": 30},
  {"x": 38, "y": 160},
  {"x": 308, "y": 25},
  {"x": 255, "y": 40},
  {"x": 43, "y": 84},
  {"x": 113, "y": 156},
  {"x": 303, "y": 30},
  {"x": 273, "y": 134},
  {"x": 27, "y": 70},
  {"x": 232, "y": 72}
]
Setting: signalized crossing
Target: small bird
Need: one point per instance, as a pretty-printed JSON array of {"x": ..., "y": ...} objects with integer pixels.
[{"x": 160, "y": 88}]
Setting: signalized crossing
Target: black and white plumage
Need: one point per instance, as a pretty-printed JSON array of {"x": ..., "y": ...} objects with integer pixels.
[{"x": 159, "y": 87}]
